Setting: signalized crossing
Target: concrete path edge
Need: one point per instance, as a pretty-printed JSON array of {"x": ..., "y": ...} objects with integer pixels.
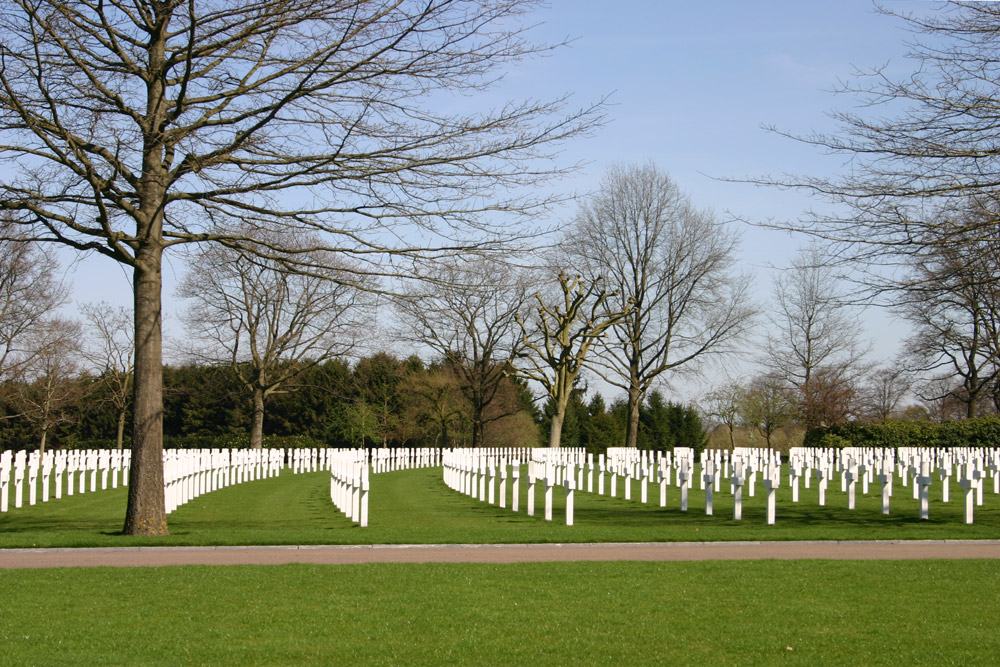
[{"x": 497, "y": 553}]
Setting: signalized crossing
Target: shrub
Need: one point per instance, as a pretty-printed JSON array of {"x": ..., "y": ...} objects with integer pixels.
[{"x": 979, "y": 432}]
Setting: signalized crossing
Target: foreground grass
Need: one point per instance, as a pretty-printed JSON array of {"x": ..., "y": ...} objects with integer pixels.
[
  {"x": 414, "y": 507},
  {"x": 755, "y": 612}
]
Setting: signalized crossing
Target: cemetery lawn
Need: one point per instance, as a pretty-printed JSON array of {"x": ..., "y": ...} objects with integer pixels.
[
  {"x": 415, "y": 507},
  {"x": 751, "y": 612}
]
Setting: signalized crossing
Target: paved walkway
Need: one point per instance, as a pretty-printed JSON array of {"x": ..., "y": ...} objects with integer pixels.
[{"x": 496, "y": 553}]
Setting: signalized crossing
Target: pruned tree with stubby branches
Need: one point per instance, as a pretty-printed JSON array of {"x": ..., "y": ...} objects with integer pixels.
[
  {"x": 129, "y": 128},
  {"x": 556, "y": 343}
]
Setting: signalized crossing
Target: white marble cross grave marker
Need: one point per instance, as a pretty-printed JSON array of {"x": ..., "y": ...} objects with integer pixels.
[
  {"x": 684, "y": 480},
  {"x": 772, "y": 480},
  {"x": 503, "y": 483},
  {"x": 570, "y": 483},
  {"x": 6, "y": 465},
  {"x": 708, "y": 478},
  {"x": 550, "y": 478},
  {"x": 968, "y": 484},
  {"x": 885, "y": 479},
  {"x": 737, "y": 481},
  {"x": 922, "y": 483},
  {"x": 820, "y": 474},
  {"x": 850, "y": 476}
]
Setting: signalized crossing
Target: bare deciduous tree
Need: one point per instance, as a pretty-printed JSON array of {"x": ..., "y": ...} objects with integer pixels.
[
  {"x": 767, "y": 405},
  {"x": 50, "y": 380},
  {"x": 133, "y": 127},
  {"x": 466, "y": 315},
  {"x": 435, "y": 406},
  {"x": 111, "y": 350},
  {"x": 29, "y": 292},
  {"x": 557, "y": 342},
  {"x": 724, "y": 404},
  {"x": 954, "y": 306},
  {"x": 269, "y": 324},
  {"x": 813, "y": 333},
  {"x": 673, "y": 263},
  {"x": 884, "y": 390}
]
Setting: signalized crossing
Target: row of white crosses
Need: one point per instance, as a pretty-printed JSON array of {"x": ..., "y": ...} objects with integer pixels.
[
  {"x": 482, "y": 473},
  {"x": 41, "y": 476},
  {"x": 304, "y": 460},
  {"x": 351, "y": 470},
  {"x": 189, "y": 473},
  {"x": 404, "y": 458},
  {"x": 350, "y": 483},
  {"x": 914, "y": 467},
  {"x": 740, "y": 468},
  {"x": 474, "y": 472}
]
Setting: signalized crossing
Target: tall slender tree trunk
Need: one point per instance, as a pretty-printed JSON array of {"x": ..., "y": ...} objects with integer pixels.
[
  {"x": 41, "y": 444},
  {"x": 257, "y": 426},
  {"x": 146, "y": 511},
  {"x": 120, "y": 435}
]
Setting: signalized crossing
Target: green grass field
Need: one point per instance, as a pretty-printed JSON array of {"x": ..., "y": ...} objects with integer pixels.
[
  {"x": 415, "y": 507},
  {"x": 755, "y": 612}
]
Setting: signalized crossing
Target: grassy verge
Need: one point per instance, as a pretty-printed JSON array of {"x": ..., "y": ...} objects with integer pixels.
[
  {"x": 755, "y": 612},
  {"x": 415, "y": 507}
]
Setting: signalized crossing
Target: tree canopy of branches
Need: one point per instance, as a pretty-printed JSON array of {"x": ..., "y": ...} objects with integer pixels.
[
  {"x": 466, "y": 315},
  {"x": 268, "y": 323},
  {"x": 133, "y": 127},
  {"x": 673, "y": 264},
  {"x": 919, "y": 143},
  {"x": 557, "y": 342},
  {"x": 954, "y": 305}
]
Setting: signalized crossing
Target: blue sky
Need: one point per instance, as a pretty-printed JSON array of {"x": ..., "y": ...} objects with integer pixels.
[{"x": 691, "y": 84}]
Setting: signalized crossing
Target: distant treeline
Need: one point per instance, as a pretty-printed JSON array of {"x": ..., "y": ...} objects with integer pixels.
[{"x": 378, "y": 401}]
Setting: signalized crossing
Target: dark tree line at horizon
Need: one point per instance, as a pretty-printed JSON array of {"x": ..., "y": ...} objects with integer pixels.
[{"x": 378, "y": 401}]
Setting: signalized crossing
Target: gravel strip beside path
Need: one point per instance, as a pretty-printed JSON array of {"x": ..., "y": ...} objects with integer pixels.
[{"x": 496, "y": 553}]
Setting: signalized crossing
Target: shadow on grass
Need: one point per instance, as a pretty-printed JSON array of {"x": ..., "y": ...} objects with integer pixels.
[{"x": 415, "y": 506}]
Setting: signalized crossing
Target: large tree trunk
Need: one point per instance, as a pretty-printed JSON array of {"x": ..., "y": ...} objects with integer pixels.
[
  {"x": 477, "y": 431},
  {"x": 632, "y": 430},
  {"x": 146, "y": 512},
  {"x": 555, "y": 432},
  {"x": 257, "y": 425}
]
